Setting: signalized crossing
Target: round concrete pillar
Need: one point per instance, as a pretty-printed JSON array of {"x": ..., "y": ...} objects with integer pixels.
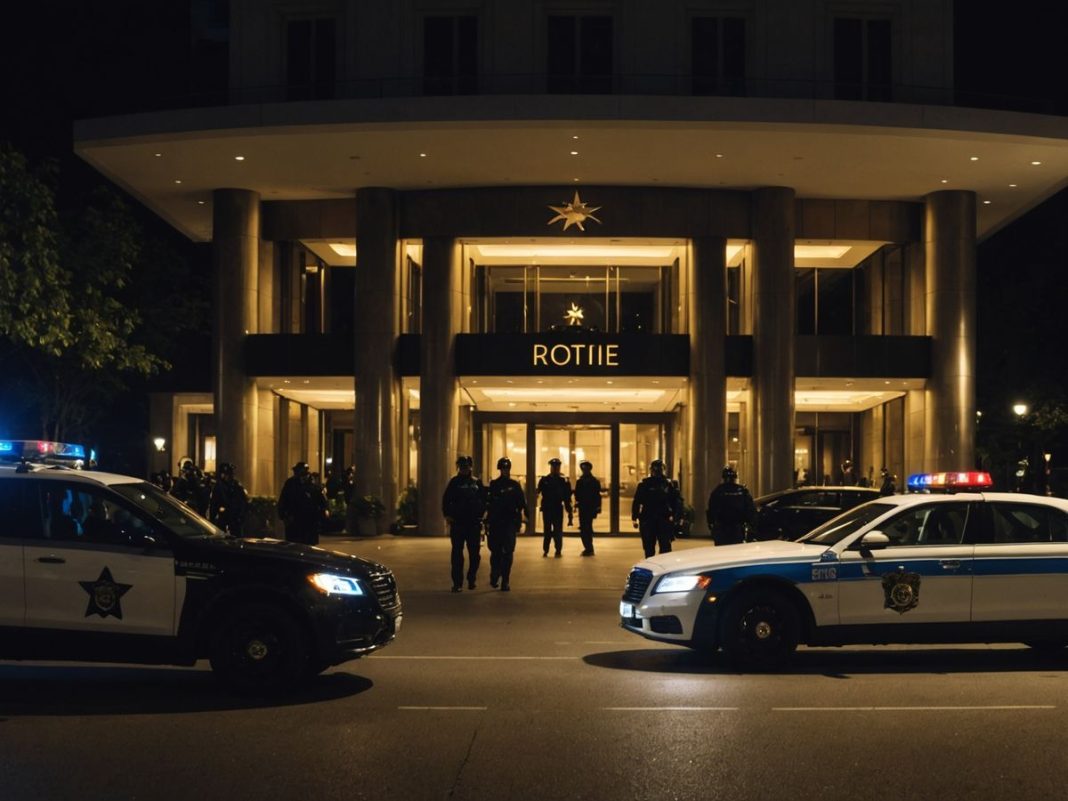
[
  {"x": 438, "y": 418},
  {"x": 949, "y": 419},
  {"x": 235, "y": 248},
  {"x": 774, "y": 327},
  {"x": 376, "y": 326},
  {"x": 706, "y": 447}
]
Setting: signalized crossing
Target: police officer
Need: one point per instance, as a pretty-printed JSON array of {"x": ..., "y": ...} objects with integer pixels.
[
  {"x": 588, "y": 501},
  {"x": 506, "y": 507},
  {"x": 189, "y": 488},
  {"x": 730, "y": 508},
  {"x": 301, "y": 506},
  {"x": 887, "y": 485},
  {"x": 463, "y": 505},
  {"x": 555, "y": 491},
  {"x": 229, "y": 501},
  {"x": 656, "y": 507}
]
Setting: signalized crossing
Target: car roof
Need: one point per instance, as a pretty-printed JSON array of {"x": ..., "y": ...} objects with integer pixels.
[
  {"x": 917, "y": 498},
  {"x": 873, "y": 491},
  {"x": 59, "y": 473}
]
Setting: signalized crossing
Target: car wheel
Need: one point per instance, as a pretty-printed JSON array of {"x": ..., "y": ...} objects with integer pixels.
[
  {"x": 259, "y": 648},
  {"x": 760, "y": 630}
]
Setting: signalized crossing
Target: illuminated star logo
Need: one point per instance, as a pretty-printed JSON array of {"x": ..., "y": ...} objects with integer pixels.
[
  {"x": 574, "y": 213},
  {"x": 573, "y": 315},
  {"x": 104, "y": 595}
]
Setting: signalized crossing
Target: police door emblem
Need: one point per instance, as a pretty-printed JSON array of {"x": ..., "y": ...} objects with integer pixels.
[
  {"x": 902, "y": 591},
  {"x": 105, "y": 595}
]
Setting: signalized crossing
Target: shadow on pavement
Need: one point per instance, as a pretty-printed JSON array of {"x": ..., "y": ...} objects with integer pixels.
[
  {"x": 114, "y": 690},
  {"x": 842, "y": 664}
]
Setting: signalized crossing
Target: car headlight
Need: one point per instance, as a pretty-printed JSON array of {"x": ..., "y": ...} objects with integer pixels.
[
  {"x": 330, "y": 584},
  {"x": 682, "y": 583}
]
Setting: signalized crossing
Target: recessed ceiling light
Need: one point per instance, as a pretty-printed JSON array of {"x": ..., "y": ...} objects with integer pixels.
[
  {"x": 574, "y": 152},
  {"x": 200, "y": 202},
  {"x": 945, "y": 180},
  {"x": 575, "y": 136},
  {"x": 719, "y": 155},
  {"x": 975, "y": 158},
  {"x": 239, "y": 158},
  {"x": 177, "y": 180},
  {"x": 1035, "y": 163},
  {"x": 422, "y": 155},
  {"x": 575, "y": 179},
  {"x": 157, "y": 155},
  {"x": 986, "y": 202},
  {"x": 1012, "y": 186}
]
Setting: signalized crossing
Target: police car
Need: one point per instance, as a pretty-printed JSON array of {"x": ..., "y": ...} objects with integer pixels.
[
  {"x": 964, "y": 566},
  {"x": 103, "y": 567}
]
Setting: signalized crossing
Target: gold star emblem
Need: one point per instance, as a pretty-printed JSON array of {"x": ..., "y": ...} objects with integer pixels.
[
  {"x": 574, "y": 213},
  {"x": 574, "y": 315}
]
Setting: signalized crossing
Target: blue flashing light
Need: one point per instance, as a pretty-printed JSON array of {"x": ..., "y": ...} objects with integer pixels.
[
  {"x": 918, "y": 482},
  {"x": 7, "y": 447},
  {"x": 76, "y": 451}
]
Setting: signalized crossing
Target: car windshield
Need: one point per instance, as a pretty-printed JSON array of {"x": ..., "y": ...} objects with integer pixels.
[
  {"x": 838, "y": 528},
  {"x": 173, "y": 514}
]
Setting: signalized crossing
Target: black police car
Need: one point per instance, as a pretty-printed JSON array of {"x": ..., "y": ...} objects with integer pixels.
[
  {"x": 102, "y": 567},
  {"x": 790, "y": 514}
]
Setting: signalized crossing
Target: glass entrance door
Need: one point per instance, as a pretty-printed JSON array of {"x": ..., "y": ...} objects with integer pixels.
[
  {"x": 639, "y": 444},
  {"x": 572, "y": 445}
]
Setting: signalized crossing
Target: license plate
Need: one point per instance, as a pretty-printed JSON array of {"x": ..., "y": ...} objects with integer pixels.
[{"x": 627, "y": 610}]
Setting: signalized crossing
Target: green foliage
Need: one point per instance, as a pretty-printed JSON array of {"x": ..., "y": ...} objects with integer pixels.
[
  {"x": 368, "y": 506},
  {"x": 408, "y": 506}
]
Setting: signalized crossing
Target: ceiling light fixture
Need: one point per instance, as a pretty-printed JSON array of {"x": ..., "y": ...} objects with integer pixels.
[
  {"x": 239, "y": 158},
  {"x": 177, "y": 180},
  {"x": 1035, "y": 163},
  {"x": 975, "y": 158},
  {"x": 422, "y": 155}
]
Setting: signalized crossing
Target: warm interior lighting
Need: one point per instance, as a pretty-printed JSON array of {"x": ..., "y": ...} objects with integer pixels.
[
  {"x": 344, "y": 249},
  {"x": 536, "y": 394},
  {"x": 820, "y": 251},
  {"x": 548, "y": 250}
]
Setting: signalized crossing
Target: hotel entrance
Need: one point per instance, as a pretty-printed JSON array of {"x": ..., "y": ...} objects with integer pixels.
[{"x": 619, "y": 451}]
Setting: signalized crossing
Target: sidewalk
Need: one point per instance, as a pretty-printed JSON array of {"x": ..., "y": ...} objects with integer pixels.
[{"x": 422, "y": 563}]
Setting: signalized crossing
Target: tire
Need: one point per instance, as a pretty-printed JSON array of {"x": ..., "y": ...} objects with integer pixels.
[
  {"x": 259, "y": 648},
  {"x": 760, "y": 630}
]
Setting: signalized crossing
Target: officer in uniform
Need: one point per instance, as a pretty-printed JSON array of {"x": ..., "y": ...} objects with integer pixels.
[
  {"x": 464, "y": 504},
  {"x": 301, "y": 506},
  {"x": 229, "y": 501},
  {"x": 506, "y": 508},
  {"x": 730, "y": 508},
  {"x": 588, "y": 501},
  {"x": 656, "y": 507},
  {"x": 887, "y": 485},
  {"x": 555, "y": 491}
]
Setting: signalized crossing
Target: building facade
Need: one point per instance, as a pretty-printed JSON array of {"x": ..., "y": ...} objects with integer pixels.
[{"x": 704, "y": 232}]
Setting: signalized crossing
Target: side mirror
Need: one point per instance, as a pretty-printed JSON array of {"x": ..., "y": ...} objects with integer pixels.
[{"x": 873, "y": 541}]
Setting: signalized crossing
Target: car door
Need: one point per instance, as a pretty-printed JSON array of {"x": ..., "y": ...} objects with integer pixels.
[
  {"x": 101, "y": 566},
  {"x": 923, "y": 576},
  {"x": 1021, "y": 563},
  {"x": 20, "y": 525}
]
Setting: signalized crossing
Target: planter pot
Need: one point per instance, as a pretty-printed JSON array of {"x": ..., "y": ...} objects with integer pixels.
[{"x": 366, "y": 526}]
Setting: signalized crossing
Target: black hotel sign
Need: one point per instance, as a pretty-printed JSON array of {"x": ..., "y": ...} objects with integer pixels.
[{"x": 573, "y": 354}]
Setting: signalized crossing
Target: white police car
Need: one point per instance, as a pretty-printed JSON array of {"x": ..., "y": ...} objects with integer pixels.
[
  {"x": 102, "y": 567},
  {"x": 970, "y": 566}
]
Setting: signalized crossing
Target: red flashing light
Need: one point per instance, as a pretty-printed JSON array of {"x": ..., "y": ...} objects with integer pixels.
[{"x": 965, "y": 480}]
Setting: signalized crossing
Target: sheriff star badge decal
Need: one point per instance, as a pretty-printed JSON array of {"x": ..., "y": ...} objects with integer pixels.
[
  {"x": 105, "y": 595},
  {"x": 574, "y": 213}
]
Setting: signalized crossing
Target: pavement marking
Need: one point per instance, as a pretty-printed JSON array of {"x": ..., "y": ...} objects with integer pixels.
[
  {"x": 992, "y": 707},
  {"x": 670, "y": 708},
  {"x": 444, "y": 708},
  {"x": 486, "y": 658}
]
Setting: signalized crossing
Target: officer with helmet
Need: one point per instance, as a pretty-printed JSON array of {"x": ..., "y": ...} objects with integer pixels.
[
  {"x": 302, "y": 506},
  {"x": 555, "y": 492},
  {"x": 506, "y": 508},
  {"x": 463, "y": 505},
  {"x": 656, "y": 507},
  {"x": 229, "y": 501},
  {"x": 730, "y": 509},
  {"x": 588, "y": 501}
]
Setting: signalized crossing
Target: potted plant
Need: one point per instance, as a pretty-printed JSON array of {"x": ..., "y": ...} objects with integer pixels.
[
  {"x": 408, "y": 510},
  {"x": 364, "y": 512}
]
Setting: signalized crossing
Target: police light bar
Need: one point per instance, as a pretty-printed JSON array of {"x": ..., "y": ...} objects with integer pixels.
[{"x": 947, "y": 482}]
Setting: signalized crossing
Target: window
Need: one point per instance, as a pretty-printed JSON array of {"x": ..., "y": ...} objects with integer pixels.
[
  {"x": 862, "y": 59},
  {"x": 21, "y": 520},
  {"x": 824, "y": 300},
  {"x": 311, "y": 60},
  {"x": 1018, "y": 522},
  {"x": 83, "y": 513},
  {"x": 821, "y": 498},
  {"x": 450, "y": 55},
  {"x": 579, "y": 54},
  {"x": 717, "y": 56},
  {"x": 936, "y": 524}
]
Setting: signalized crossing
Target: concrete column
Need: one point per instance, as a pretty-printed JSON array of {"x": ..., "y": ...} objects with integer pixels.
[
  {"x": 949, "y": 238},
  {"x": 706, "y": 426},
  {"x": 236, "y": 248},
  {"x": 438, "y": 414},
  {"x": 376, "y": 326},
  {"x": 774, "y": 326}
]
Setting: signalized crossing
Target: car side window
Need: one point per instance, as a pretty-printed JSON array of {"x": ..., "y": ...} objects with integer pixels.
[
  {"x": 851, "y": 498},
  {"x": 20, "y": 518},
  {"x": 1020, "y": 522},
  {"x": 821, "y": 498},
  {"x": 934, "y": 524},
  {"x": 84, "y": 513}
]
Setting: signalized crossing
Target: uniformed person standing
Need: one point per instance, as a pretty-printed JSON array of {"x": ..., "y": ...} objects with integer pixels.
[
  {"x": 730, "y": 508},
  {"x": 555, "y": 492},
  {"x": 588, "y": 501},
  {"x": 887, "y": 485},
  {"x": 656, "y": 507},
  {"x": 506, "y": 506},
  {"x": 229, "y": 501},
  {"x": 301, "y": 506},
  {"x": 464, "y": 504}
]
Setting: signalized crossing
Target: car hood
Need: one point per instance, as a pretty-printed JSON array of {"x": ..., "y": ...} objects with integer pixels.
[
  {"x": 310, "y": 555},
  {"x": 717, "y": 556}
]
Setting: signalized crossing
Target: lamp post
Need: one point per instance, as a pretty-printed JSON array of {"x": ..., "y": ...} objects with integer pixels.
[{"x": 1022, "y": 464}]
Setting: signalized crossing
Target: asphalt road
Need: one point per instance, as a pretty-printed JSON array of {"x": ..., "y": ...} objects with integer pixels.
[{"x": 538, "y": 694}]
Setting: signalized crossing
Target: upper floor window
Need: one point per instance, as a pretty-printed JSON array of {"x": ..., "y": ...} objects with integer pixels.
[
  {"x": 717, "y": 56},
  {"x": 311, "y": 58},
  {"x": 862, "y": 59},
  {"x": 824, "y": 301},
  {"x": 450, "y": 55},
  {"x": 579, "y": 54}
]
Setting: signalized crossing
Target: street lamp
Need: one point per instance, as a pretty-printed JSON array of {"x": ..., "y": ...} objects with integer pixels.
[
  {"x": 160, "y": 443},
  {"x": 1023, "y": 467},
  {"x": 1020, "y": 409}
]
